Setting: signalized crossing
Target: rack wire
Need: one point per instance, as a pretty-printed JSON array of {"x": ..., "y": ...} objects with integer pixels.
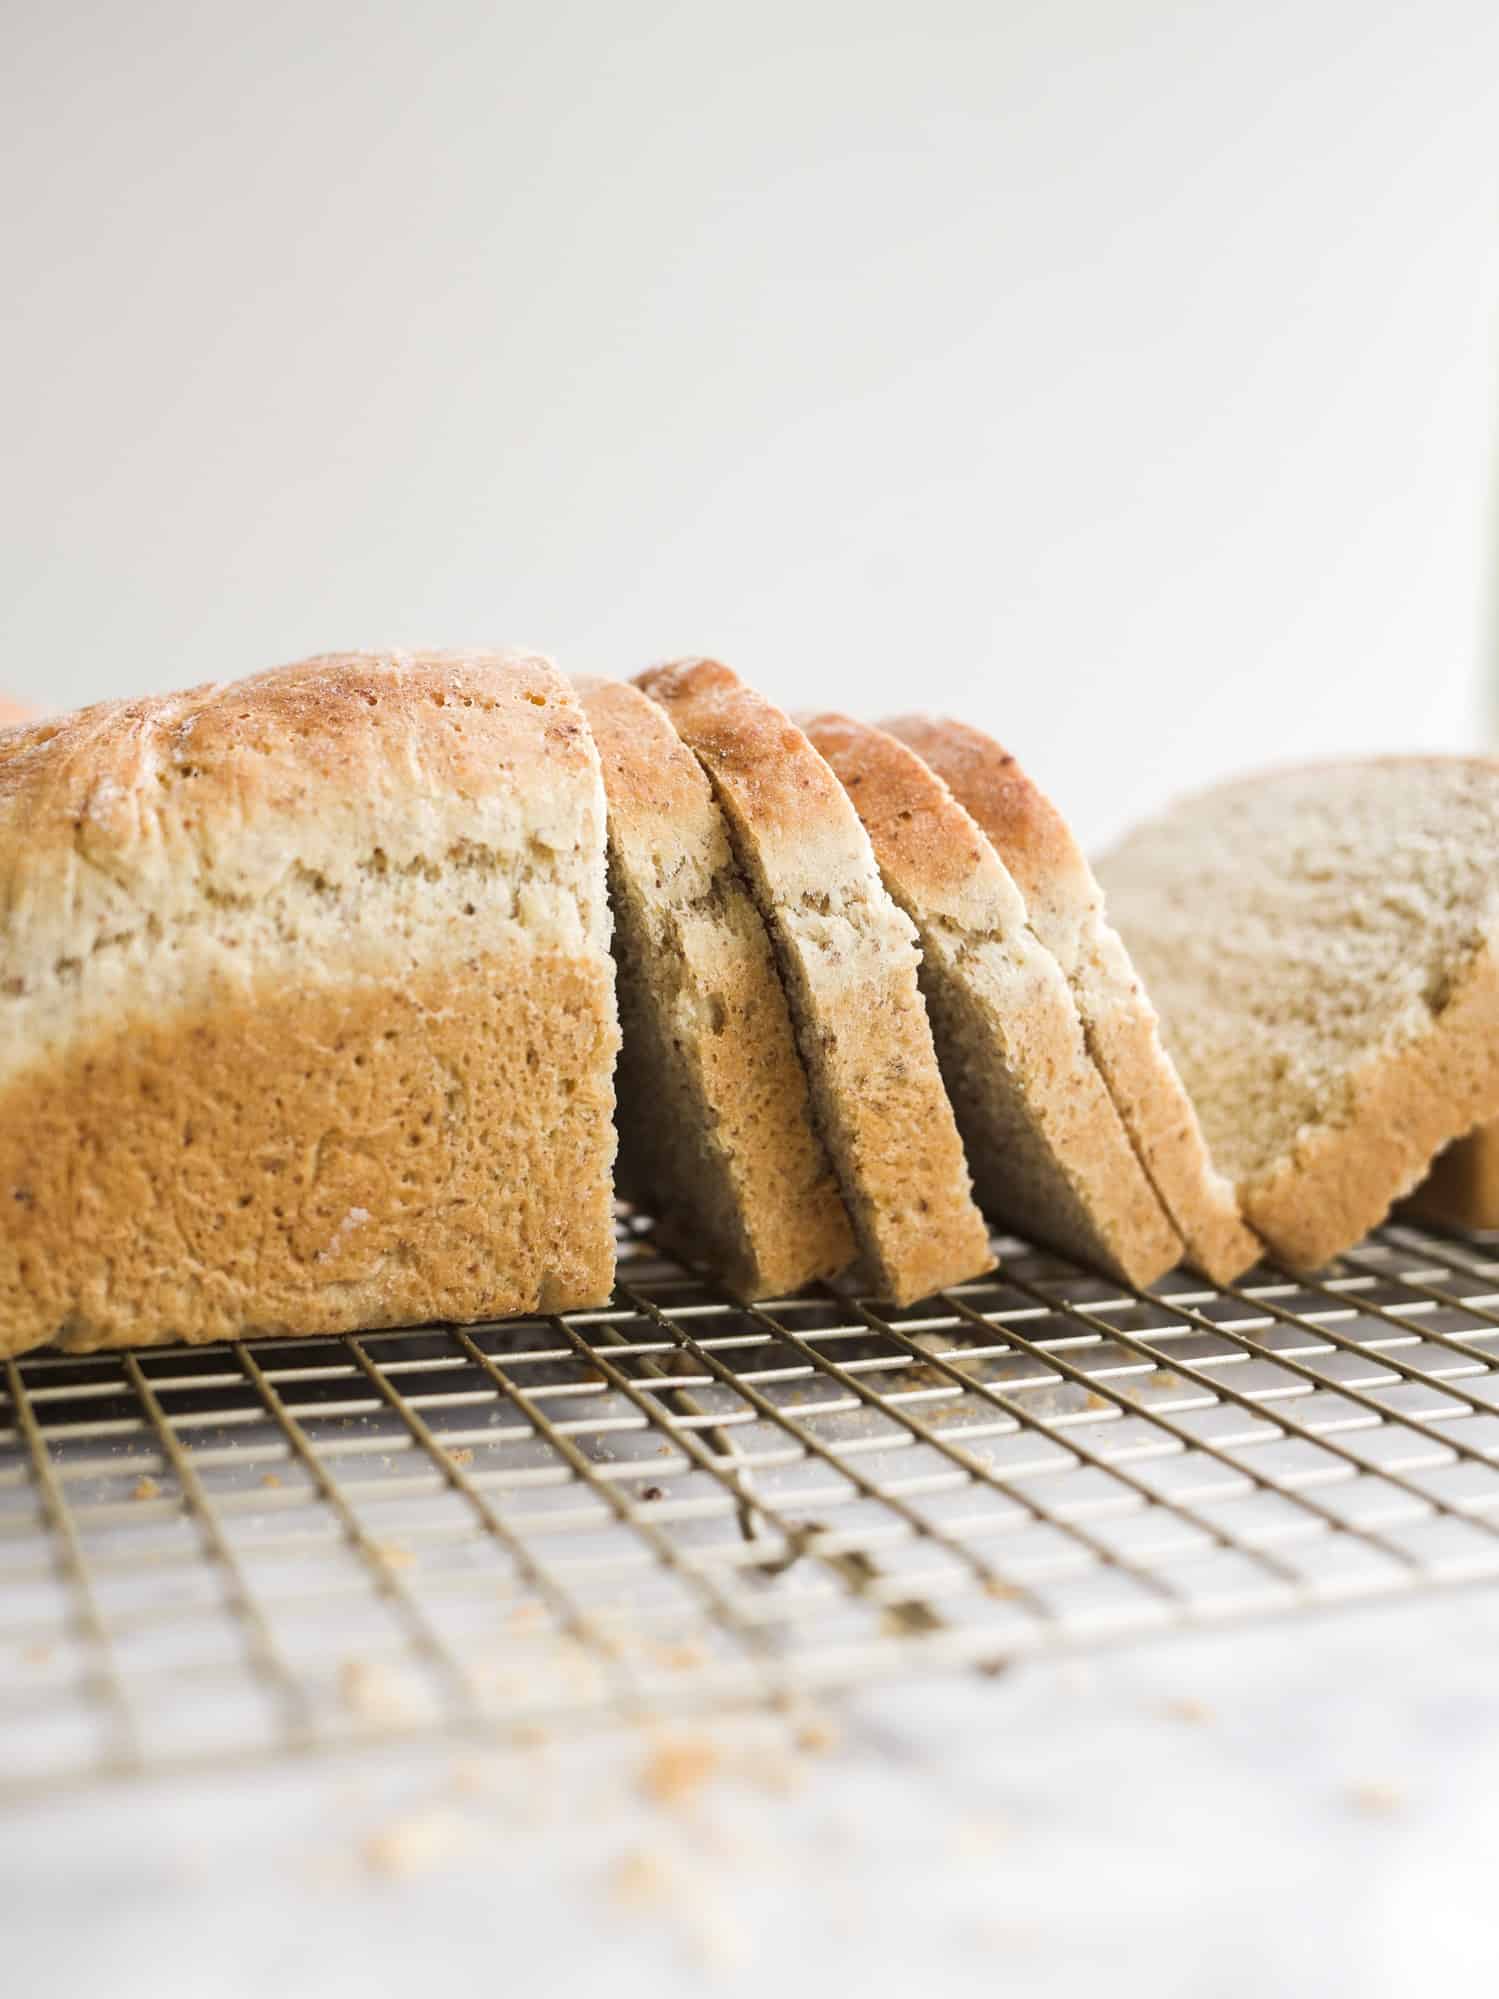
[{"x": 678, "y": 1504}]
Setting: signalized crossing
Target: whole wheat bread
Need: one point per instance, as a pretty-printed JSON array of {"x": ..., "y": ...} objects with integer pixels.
[
  {"x": 1066, "y": 909},
  {"x": 307, "y": 1013},
  {"x": 716, "y": 1137},
  {"x": 1046, "y": 1145},
  {"x": 848, "y": 959},
  {"x": 1321, "y": 943}
]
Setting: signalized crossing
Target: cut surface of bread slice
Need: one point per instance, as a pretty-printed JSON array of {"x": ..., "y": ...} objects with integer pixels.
[
  {"x": 716, "y": 1137},
  {"x": 1046, "y": 1146},
  {"x": 1066, "y": 910},
  {"x": 848, "y": 961},
  {"x": 1462, "y": 1188},
  {"x": 307, "y": 1015},
  {"x": 1321, "y": 943}
]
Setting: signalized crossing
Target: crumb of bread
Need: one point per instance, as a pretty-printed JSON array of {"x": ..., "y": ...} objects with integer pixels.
[
  {"x": 460, "y": 1454},
  {"x": 1375, "y": 1799},
  {"x": 1186, "y": 1707},
  {"x": 271, "y": 1479},
  {"x": 641, "y": 1880},
  {"x": 653, "y": 1492},
  {"x": 393, "y": 1555},
  {"x": 815, "y": 1734},
  {"x": 414, "y": 1844},
  {"x": 996, "y": 1586},
  {"x": 678, "y": 1767},
  {"x": 980, "y": 1835},
  {"x": 145, "y": 1488},
  {"x": 681, "y": 1655}
]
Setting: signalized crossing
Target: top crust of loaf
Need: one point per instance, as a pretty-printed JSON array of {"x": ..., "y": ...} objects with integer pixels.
[
  {"x": 1045, "y": 1142},
  {"x": 1027, "y": 831},
  {"x": 1324, "y": 945},
  {"x": 157, "y": 849},
  {"x": 1065, "y": 905},
  {"x": 715, "y": 1119},
  {"x": 849, "y": 959}
]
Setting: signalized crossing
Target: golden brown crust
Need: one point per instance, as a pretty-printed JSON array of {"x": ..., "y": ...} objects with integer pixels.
[
  {"x": 1047, "y": 1147},
  {"x": 1404, "y": 1107},
  {"x": 849, "y": 964},
  {"x": 1066, "y": 905},
  {"x": 317, "y": 1160},
  {"x": 1026, "y": 829},
  {"x": 1462, "y": 1188},
  {"x": 716, "y": 1133}
]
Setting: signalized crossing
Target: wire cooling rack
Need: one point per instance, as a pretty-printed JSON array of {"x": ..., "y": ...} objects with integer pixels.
[{"x": 220, "y": 1553}]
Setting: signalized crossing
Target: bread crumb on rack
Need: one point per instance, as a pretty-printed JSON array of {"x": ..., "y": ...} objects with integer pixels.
[
  {"x": 394, "y": 1555},
  {"x": 145, "y": 1488},
  {"x": 272, "y": 1480},
  {"x": 460, "y": 1454}
]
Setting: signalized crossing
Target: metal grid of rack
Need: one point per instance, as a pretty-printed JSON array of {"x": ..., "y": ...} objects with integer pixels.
[{"x": 678, "y": 1504}]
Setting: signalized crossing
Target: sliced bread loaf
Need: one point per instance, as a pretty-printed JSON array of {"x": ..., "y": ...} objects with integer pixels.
[
  {"x": 307, "y": 1012},
  {"x": 1462, "y": 1188},
  {"x": 1321, "y": 943},
  {"x": 716, "y": 1137},
  {"x": 1045, "y": 1143},
  {"x": 848, "y": 960},
  {"x": 1066, "y": 910}
]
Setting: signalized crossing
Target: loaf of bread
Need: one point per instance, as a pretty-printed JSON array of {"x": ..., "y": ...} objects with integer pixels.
[
  {"x": 848, "y": 959},
  {"x": 717, "y": 1141},
  {"x": 1462, "y": 1189},
  {"x": 308, "y": 1006},
  {"x": 1048, "y": 1151},
  {"x": 1066, "y": 909},
  {"x": 1321, "y": 944}
]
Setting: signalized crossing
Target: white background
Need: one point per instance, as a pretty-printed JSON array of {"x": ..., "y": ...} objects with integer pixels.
[{"x": 1114, "y": 372}]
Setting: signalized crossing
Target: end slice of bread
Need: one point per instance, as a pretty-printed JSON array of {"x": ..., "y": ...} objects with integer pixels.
[
  {"x": 848, "y": 959},
  {"x": 1322, "y": 945},
  {"x": 1066, "y": 909},
  {"x": 716, "y": 1136},
  {"x": 1046, "y": 1145}
]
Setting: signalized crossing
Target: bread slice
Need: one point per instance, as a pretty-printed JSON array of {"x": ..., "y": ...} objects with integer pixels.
[
  {"x": 848, "y": 960},
  {"x": 1321, "y": 943},
  {"x": 307, "y": 1013},
  {"x": 716, "y": 1137},
  {"x": 1045, "y": 1143},
  {"x": 1462, "y": 1188},
  {"x": 1066, "y": 910}
]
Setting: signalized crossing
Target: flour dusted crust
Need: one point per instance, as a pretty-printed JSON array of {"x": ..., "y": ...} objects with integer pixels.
[
  {"x": 716, "y": 1131},
  {"x": 306, "y": 1005},
  {"x": 1047, "y": 1148},
  {"x": 849, "y": 961},
  {"x": 1323, "y": 944},
  {"x": 1066, "y": 910}
]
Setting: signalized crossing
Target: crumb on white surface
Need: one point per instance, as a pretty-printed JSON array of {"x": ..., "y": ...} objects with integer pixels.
[
  {"x": 1375, "y": 1799},
  {"x": 145, "y": 1488},
  {"x": 678, "y": 1767},
  {"x": 1186, "y": 1707},
  {"x": 415, "y": 1843}
]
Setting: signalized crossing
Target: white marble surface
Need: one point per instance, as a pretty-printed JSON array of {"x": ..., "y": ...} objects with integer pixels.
[{"x": 1304, "y": 1807}]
